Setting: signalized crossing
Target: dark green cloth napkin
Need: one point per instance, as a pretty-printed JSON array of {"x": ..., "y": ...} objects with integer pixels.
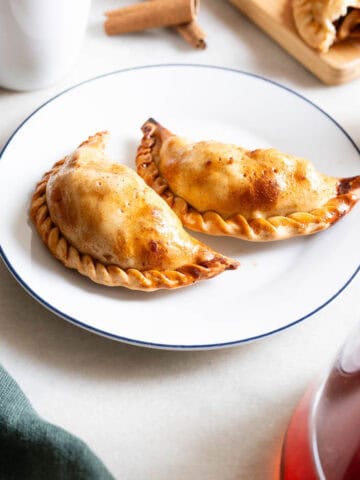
[{"x": 33, "y": 449}]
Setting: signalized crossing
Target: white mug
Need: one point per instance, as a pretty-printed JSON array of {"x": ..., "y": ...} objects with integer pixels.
[{"x": 39, "y": 40}]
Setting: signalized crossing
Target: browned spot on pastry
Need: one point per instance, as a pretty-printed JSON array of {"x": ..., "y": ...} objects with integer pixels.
[
  {"x": 348, "y": 184},
  {"x": 232, "y": 265},
  {"x": 299, "y": 177},
  {"x": 336, "y": 216},
  {"x": 67, "y": 215},
  {"x": 56, "y": 195},
  {"x": 193, "y": 270},
  {"x": 255, "y": 153},
  {"x": 147, "y": 128},
  {"x": 73, "y": 160},
  {"x": 347, "y": 202},
  {"x": 262, "y": 194},
  {"x": 150, "y": 125},
  {"x": 153, "y": 254},
  {"x": 154, "y": 246},
  {"x": 266, "y": 190},
  {"x": 208, "y": 163}
]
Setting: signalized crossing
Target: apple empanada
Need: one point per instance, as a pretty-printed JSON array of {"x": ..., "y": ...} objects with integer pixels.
[
  {"x": 101, "y": 219},
  {"x": 322, "y": 22},
  {"x": 223, "y": 189}
]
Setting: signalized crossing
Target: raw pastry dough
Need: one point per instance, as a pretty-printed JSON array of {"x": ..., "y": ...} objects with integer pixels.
[
  {"x": 101, "y": 219},
  {"x": 317, "y": 20},
  {"x": 257, "y": 195}
]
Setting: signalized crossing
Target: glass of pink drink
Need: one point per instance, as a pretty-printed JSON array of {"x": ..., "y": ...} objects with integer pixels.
[{"x": 323, "y": 438}]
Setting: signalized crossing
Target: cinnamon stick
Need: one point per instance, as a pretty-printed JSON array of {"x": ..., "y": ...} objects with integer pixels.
[
  {"x": 193, "y": 34},
  {"x": 154, "y": 14}
]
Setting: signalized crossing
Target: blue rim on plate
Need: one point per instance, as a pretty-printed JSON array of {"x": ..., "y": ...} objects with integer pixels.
[{"x": 134, "y": 341}]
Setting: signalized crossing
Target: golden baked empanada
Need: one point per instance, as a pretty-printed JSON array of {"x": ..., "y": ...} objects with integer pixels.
[
  {"x": 321, "y": 22},
  {"x": 101, "y": 219},
  {"x": 223, "y": 189}
]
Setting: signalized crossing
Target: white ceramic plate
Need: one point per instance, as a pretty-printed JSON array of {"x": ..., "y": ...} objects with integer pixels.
[{"x": 277, "y": 285}]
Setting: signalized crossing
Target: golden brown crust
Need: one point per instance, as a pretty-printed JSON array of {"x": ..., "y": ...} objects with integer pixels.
[
  {"x": 274, "y": 227},
  {"x": 210, "y": 263}
]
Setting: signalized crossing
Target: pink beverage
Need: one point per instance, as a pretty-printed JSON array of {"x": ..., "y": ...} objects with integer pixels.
[{"x": 323, "y": 437}]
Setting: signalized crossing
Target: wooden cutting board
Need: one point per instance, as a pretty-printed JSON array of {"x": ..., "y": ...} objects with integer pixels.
[{"x": 341, "y": 64}]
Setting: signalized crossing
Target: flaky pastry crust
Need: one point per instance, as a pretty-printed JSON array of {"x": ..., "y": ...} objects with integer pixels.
[
  {"x": 256, "y": 200},
  {"x": 81, "y": 186},
  {"x": 316, "y": 21}
]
